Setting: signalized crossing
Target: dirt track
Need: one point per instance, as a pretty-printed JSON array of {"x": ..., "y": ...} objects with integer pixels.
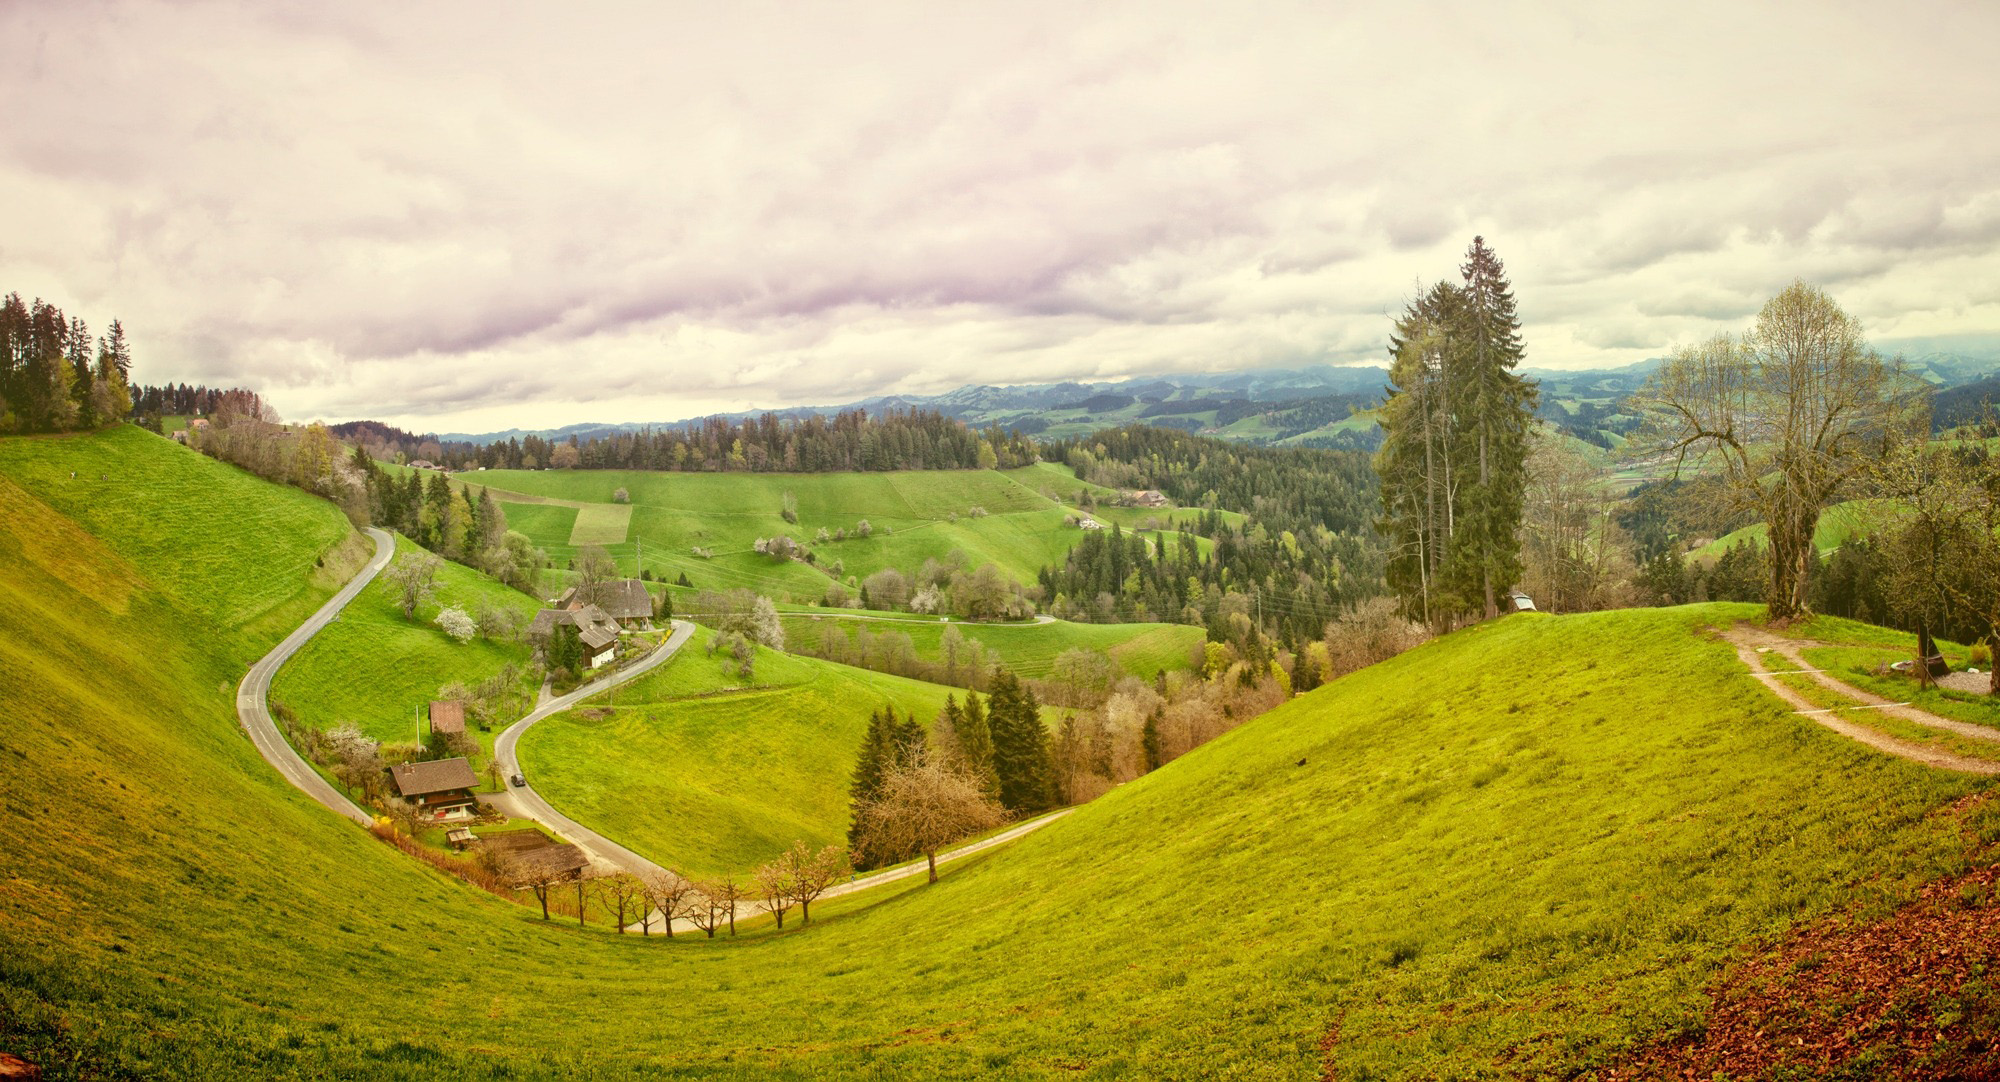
[{"x": 1748, "y": 642}]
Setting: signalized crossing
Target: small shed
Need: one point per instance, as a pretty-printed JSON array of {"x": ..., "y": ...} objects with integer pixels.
[{"x": 447, "y": 717}]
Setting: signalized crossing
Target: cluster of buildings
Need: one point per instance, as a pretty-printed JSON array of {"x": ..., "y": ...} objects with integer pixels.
[{"x": 598, "y": 612}]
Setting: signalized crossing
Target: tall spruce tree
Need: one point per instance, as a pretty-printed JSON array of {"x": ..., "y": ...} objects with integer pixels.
[
  {"x": 1499, "y": 406},
  {"x": 1020, "y": 746},
  {"x": 1455, "y": 443}
]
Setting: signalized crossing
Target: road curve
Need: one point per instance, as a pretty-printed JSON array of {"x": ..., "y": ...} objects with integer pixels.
[
  {"x": 252, "y": 695},
  {"x": 526, "y": 802}
]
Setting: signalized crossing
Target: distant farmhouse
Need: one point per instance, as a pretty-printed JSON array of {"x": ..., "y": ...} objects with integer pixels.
[
  {"x": 595, "y": 627},
  {"x": 440, "y": 789},
  {"x": 1149, "y": 498},
  {"x": 623, "y": 600}
]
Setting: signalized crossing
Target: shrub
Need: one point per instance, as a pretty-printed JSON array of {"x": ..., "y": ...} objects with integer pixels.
[
  {"x": 621, "y": 496},
  {"x": 1979, "y": 656}
]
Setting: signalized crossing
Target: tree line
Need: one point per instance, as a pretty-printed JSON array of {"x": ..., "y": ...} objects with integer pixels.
[
  {"x": 852, "y": 440},
  {"x": 55, "y": 377}
]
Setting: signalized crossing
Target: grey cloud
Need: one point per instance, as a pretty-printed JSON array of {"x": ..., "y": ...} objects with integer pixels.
[{"x": 456, "y": 210}]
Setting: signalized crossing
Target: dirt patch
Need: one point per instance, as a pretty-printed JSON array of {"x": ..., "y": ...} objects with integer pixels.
[{"x": 1914, "y": 996}]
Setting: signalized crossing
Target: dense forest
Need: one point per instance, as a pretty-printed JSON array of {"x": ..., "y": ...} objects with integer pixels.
[
  {"x": 849, "y": 441},
  {"x": 1308, "y": 549},
  {"x": 55, "y": 377}
]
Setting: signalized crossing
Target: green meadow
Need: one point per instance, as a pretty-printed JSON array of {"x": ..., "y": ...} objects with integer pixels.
[
  {"x": 1029, "y": 649},
  {"x": 696, "y": 771},
  {"x": 1437, "y": 867},
  {"x": 377, "y": 670},
  {"x": 1013, "y": 519}
]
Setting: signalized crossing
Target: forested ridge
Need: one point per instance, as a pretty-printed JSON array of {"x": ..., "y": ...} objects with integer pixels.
[{"x": 1308, "y": 549}]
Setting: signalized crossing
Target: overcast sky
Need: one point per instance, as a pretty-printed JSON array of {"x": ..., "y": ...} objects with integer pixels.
[{"x": 474, "y": 216}]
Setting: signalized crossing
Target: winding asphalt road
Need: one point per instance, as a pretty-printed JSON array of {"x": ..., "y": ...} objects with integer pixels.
[
  {"x": 253, "y": 693},
  {"x": 253, "y": 712},
  {"x": 523, "y": 801}
]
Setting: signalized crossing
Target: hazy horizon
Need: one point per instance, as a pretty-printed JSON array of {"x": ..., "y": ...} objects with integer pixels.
[{"x": 464, "y": 218}]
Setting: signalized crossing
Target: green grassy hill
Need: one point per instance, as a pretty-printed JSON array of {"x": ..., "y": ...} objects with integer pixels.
[
  {"x": 1029, "y": 649},
  {"x": 378, "y": 670},
  {"x": 913, "y": 515},
  {"x": 1514, "y": 852},
  {"x": 1836, "y": 525},
  {"x": 695, "y": 771}
]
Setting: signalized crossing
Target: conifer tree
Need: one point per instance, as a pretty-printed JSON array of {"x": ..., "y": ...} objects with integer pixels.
[
  {"x": 1453, "y": 462},
  {"x": 1020, "y": 747},
  {"x": 1498, "y": 404}
]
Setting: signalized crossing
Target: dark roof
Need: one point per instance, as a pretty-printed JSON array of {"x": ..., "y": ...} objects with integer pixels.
[
  {"x": 597, "y": 638},
  {"x": 515, "y": 841},
  {"x": 586, "y": 619},
  {"x": 447, "y": 716},
  {"x": 556, "y": 859},
  {"x": 436, "y": 776},
  {"x": 621, "y": 599}
]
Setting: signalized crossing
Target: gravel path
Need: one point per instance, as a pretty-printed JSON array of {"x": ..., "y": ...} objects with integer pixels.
[{"x": 1749, "y": 641}]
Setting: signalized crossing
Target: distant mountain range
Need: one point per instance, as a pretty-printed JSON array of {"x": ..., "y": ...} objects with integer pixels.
[{"x": 1316, "y": 406}]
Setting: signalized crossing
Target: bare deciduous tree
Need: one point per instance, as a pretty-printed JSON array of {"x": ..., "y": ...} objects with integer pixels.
[
  {"x": 414, "y": 575},
  {"x": 1785, "y": 416},
  {"x": 621, "y": 893},
  {"x": 593, "y": 566},
  {"x": 812, "y": 874},
  {"x": 669, "y": 895},
  {"x": 775, "y": 892},
  {"x": 925, "y": 805}
]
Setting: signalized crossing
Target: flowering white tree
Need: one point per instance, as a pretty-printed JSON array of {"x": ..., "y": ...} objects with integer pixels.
[{"x": 457, "y": 624}]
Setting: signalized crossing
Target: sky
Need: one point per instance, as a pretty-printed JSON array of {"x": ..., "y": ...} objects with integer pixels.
[{"x": 474, "y": 216}]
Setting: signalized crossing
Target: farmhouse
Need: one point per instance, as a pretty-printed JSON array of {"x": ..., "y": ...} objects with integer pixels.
[
  {"x": 440, "y": 789},
  {"x": 447, "y": 718},
  {"x": 624, "y": 600},
  {"x": 1149, "y": 498},
  {"x": 597, "y": 630}
]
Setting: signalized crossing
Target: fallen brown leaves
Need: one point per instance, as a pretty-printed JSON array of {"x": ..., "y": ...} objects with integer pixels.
[{"x": 1913, "y": 996}]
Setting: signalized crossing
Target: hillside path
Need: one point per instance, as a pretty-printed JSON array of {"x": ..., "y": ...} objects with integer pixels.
[
  {"x": 1750, "y": 640},
  {"x": 253, "y": 694}
]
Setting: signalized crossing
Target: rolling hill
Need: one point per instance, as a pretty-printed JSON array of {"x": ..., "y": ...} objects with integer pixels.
[{"x": 1523, "y": 850}]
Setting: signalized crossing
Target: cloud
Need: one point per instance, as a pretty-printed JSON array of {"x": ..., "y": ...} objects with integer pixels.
[{"x": 635, "y": 211}]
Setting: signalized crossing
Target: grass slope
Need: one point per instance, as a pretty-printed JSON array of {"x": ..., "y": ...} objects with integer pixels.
[
  {"x": 235, "y": 551},
  {"x": 1028, "y": 649},
  {"x": 378, "y": 670},
  {"x": 915, "y": 515},
  {"x": 1515, "y": 852},
  {"x": 704, "y": 776},
  {"x": 1836, "y": 525}
]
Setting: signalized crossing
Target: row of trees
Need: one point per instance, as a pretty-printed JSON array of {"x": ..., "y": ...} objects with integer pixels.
[
  {"x": 1455, "y": 444},
  {"x": 813, "y": 443},
  {"x": 795, "y": 880},
  {"x": 55, "y": 377}
]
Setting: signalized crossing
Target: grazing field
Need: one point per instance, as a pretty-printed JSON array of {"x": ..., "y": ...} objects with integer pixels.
[
  {"x": 1836, "y": 525},
  {"x": 1013, "y": 519},
  {"x": 1427, "y": 869},
  {"x": 377, "y": 670},
  {"x": 601, "y": 524},
  {"x": 706, "y": 779},
  {"x": 238, "y": 553},
  {"x": 1028, "y": 649}
]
